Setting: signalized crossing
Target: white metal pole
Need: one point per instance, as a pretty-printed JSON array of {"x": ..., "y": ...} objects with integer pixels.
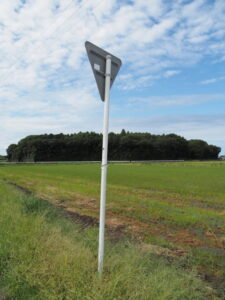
[{"x": 104, "y": 164}]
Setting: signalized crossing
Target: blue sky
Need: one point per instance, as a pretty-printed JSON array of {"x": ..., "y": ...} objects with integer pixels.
[{"x": 172, "y": 79}]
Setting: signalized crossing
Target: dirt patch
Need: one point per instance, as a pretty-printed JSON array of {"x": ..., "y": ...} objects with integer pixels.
[
  {"x": 115, "y": 229},
  {"x": 218, "y": 242},
  {"x": 222, "y": 213},
  {"x": 2, "y": 296},
  {"x": 117, "y": 225},
  {"x": 86, "y": 203},
  {"x": 222, "y": 241},
  {"x": 187, "y": 238},
  {"x": 163, "y": 251},
  {"x": 72, "y": 199},
  {"x": 83, "y": 220},
  {"x": 20, "y": 188},
  {"x": 117, "y": 234},
  {"x": 51, "y": 188}
]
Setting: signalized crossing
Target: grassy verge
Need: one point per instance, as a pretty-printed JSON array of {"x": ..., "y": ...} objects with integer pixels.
[
  {"x": 179, "y": 206},
  {"x": 44, "y": 256}
]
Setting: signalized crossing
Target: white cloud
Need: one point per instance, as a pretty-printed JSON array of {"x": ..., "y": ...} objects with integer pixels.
[
  {"x": 170, "y": 73},
  {"x": 44, "y": 73},
  {"x": 212, "y": 80},
  {"x": 66, "y": 110},
  {"x": 206, "y": 127},
  {"x": 174, "y": 100}
]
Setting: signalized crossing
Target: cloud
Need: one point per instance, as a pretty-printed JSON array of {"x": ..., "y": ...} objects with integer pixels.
[
  {"x": 46, "y": 82},
  {"x": 39, "y": 40},
  {"x": 170, "y": 73},
  {"x": 48, "y": 112},
  {"x": 212, "y": 80},
  {"x": 196, "y": 126},
  {"x": 173, "y": 100}
]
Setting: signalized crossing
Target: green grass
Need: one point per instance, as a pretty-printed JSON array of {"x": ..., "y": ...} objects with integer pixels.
[
  {"x": 172, "y": 205},
  {"x": 44, "y": 256}
]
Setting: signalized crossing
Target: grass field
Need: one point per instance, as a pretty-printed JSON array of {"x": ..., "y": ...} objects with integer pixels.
[
  {"x": 177, "y": 206},
  {"x": 44, "y": 256}
]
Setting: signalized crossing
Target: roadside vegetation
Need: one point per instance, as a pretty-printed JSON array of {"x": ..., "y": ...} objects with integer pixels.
[
  {"x": 45, "y": 256},
  {"x": 177, "y": 207}
]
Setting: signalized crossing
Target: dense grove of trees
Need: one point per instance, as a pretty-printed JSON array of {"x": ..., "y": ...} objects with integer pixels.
[{"x": 122, "y": 146}]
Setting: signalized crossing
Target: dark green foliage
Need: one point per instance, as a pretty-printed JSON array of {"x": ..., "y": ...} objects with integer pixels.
[
  {"x": 12, "y": 152},
  {"x": 199, "y": 149},
  {"x": 122, "y": 146}
]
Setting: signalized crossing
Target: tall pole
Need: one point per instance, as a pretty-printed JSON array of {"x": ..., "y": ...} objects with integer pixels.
[{"x": 104, "y": 164}]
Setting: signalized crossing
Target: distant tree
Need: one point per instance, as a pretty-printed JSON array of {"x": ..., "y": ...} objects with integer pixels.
[
  {"x": 213, "y": 152},
  {"x": 12, "y": 152},
  {"x": 123, "y": 132},
  {"x": 199, "y": 149},
  {"x": 122, "y": 146}
]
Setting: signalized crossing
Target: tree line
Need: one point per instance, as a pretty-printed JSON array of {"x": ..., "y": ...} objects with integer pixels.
[{"x": 87, "y": 146}]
